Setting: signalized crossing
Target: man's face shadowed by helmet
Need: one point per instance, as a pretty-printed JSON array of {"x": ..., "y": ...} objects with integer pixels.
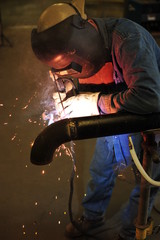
[{"x": 72, "y": 40}]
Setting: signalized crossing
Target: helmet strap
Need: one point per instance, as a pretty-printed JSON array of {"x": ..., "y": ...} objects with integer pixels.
[{"x": 78, "y": 21}]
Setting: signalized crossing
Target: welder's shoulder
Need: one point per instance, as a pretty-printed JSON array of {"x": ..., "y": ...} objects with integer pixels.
[
  {"x": 127, "y": 28},
  {"x": 121, "y": 27}
]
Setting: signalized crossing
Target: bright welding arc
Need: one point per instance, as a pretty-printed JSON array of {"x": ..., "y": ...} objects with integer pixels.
[{"x": 53, "y": 77}]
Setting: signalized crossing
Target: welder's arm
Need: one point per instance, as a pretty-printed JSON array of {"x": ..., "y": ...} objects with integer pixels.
[
  {"x": 141, "y": 74},
  {"x": 81, "y": 105}
]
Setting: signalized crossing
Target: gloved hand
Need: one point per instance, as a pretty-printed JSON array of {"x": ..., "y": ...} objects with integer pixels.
[{"x": 81, "y": 105}]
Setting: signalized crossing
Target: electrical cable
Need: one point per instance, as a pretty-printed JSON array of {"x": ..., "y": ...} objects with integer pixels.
[
  {"x": 71, "y": 183},
  {"x": 139, "y": 166},
  {"x": 75, "y": 224}
]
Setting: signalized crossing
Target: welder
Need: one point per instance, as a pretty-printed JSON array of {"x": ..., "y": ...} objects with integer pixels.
[{"x": 103, "y": 51}]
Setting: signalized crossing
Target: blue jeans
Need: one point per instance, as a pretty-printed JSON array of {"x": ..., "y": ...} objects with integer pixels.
[{"x": 110, "y": 152}]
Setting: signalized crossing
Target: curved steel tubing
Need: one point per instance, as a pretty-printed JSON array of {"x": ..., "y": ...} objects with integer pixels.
[{"x": 88, "y": 127}]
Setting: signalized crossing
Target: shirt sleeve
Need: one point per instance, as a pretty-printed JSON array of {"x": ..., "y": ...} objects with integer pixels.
[{"x": 136, "y": 59}]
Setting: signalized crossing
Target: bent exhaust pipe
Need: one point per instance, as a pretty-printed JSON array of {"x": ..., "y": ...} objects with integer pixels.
[{"x": 88, "y": 127}]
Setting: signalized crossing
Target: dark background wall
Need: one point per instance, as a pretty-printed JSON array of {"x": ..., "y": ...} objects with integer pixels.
[{"x": 34, "y": 199}]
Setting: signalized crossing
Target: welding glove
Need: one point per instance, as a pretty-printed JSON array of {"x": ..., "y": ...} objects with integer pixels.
[
  {"x": 59, "y": 98},
  {"x": 81, "y": 105}
]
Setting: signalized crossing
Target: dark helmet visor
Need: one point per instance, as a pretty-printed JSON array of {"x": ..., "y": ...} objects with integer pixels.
[
  {"x": 71, "y": 70},
  {"x": 81, "y": 46}
]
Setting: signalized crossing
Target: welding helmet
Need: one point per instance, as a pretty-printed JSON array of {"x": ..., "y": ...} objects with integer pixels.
[{"x": 66, "y": 41}]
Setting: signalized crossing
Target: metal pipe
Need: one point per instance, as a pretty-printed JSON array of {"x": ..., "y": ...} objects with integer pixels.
[
  {"x": 88, "y": 127},
  {"x": 141, "y": 222}
]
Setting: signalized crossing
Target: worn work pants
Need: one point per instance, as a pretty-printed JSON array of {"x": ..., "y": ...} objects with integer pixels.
[{"x": 111, "y": 152}]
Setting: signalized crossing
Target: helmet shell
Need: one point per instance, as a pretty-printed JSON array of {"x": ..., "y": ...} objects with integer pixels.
[{"x": 53, "y": 15}]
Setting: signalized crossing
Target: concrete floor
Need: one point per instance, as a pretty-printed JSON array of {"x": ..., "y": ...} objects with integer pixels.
[{"x": 34, "y": 199}]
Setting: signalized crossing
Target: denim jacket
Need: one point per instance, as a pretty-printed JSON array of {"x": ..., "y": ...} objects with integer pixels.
[{"x": 136, "y": 61}]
